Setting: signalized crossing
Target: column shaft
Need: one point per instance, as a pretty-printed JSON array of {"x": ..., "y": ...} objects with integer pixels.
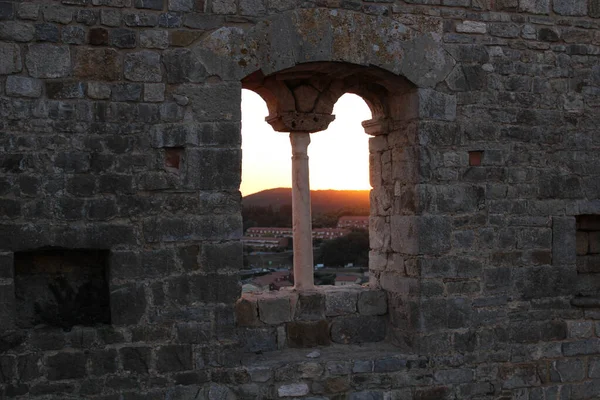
[{"x": 301, "y": 214}]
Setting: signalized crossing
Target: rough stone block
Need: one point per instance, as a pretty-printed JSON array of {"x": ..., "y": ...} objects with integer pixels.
[
  {"x": 174, "y": 358},
  {"x": 340, "y": 302},
  {"x": 308, "y": 334},
  {"x": 224, "y": 164},
  {"x": 535, "y": 6},
  {"x": 10, "y": 59},
  {"x": 310, "y": 307},
  {"x": 358, "y": 329},
  {"x": 258, "y": 339},
  {"x": 274, "y": 310},
  {"x": 64, "y": 90},
  {"x": 246, "y": 311},
  {"x": 16, "y": 31},
  {"x": 436, "y": 105},
  {"x": 224, "y": 256},
  {"x": 140, "y": 19},
  {"x": 154, "y": 39},
  {"x": 127, "y": 304},
  {"x": 46, "y": 33},
  {"x": 66, "y": 366},
  {"x": 143, "y": 66},
  {"x": 48, "y": 61},
  {"x": 581, "y": 347},
  {"x": 564, "y": 243},
  {"x": 149, "y": 4},
  {"x": 28, "y": 11},
  {"x": 73, "y": 35},
  {"x": 421, "y": 235},
  {"x": 180, "y": 66},
  {"x": 136, "y": 359},
  {"x": 123, "y": 38},
  {"x": 103, "y": 362},
  {"x": 23, "y": 86},
  {"x": 253, "y": 8},
  {"x": 97, "y": 64},
  {"x": 571, "y": 7},
  {"x": 372, "y": 302},
  {"x": 293, "y": 390}
]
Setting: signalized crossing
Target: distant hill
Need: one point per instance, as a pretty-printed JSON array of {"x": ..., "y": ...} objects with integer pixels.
[{"x": 323, "y": 201}]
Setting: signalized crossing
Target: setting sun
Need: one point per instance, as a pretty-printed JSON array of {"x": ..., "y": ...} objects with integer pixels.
[{"x": 339, "y": 156}]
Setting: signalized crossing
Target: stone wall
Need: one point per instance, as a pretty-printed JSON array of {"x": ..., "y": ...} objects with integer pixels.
[{"x": 120, "y": 132}]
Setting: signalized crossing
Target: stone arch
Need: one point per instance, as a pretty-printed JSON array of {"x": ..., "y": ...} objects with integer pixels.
[{"x": 284, "y": 40}]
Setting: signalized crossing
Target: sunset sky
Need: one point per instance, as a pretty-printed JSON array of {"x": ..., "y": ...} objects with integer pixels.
[{"x": 339, "y": 157}]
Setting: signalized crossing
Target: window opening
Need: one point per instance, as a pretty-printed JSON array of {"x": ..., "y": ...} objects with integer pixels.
[{"x": 61, "y": 288}]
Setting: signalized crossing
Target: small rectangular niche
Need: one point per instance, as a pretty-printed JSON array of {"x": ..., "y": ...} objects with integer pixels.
[
  {"x": 588, "y": 244},
  {"x": 61, "y": 288}
]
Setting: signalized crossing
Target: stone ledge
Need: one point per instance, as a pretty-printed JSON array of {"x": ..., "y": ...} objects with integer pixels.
[
  {"x": 586, "y": 302},
  {"x": 347, "y": 315}
]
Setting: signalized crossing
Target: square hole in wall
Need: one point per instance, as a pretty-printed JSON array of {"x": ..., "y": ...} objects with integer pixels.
[
  {"x": 61, "y": 288},
  {"x": 588, "y": 244}
]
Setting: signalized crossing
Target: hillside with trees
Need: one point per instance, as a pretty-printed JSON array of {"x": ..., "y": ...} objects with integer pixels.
[{"x": 273, "y": 207}]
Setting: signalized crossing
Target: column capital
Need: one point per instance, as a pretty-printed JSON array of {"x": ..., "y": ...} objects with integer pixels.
[
  {"x": 299, "y": 122},
  {"x": 378, "y": 126}
]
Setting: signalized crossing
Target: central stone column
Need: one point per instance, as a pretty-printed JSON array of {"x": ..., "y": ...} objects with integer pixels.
[
  {"x": 301, "y": 212},
  {"x": 300, "y": 126}
]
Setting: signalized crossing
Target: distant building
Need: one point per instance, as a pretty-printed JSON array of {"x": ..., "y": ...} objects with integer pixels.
[
  {"x": 345, "y": 280},
  {"x": 329, "y": 233},
  {"x": 357, "y": 222},
  {"x": 265, "y": 242},
  {"x": 273, "y": 281},
  {"x": 269, "y": 232}
]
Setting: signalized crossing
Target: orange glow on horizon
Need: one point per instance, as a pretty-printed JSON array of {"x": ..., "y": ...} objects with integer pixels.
[{"x": 339, "y": 156}]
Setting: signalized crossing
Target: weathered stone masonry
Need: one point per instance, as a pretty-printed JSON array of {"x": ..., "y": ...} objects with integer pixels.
[{"x": 120, "y": 170}]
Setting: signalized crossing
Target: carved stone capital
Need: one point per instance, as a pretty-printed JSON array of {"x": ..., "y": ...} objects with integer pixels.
[
  {"x": 300, "y": 122},
  {"x": 376, "y": 127}
]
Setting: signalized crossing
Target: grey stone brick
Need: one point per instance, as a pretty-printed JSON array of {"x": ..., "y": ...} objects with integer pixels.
[
  {"x": 61, "y": 15},
  {"x": 535, "y": 6},
  {"x": 224, "y": 7},
  {"x": 110, "y": 17},
  {"x": 372, "y": 302},
  {"x": 128, "y": 305},
  {"x": 140, "y": 19},
  {"x": 143, "y": 66},
  {"x": 436, "y": 105},
  {"x": 340, "y": 302},
  {"x": 154, "y": 39},
  {"x": 99, "y": 91},
  {"x": 581, "y": 347},
  {"x": 28, "y": 11},
  {"x": 274, "y": 310},
  {"x": 123, "y": 38},
  {"x": 10, "y": 59},
  {"x": 17, "y": 31},
  {"x": 180, "y": 67},
  {"x": 64, "y": 90},
  {"x": 73, "y": 35},
  {"x": 48, "y": 61},
  {"x": 46, "y": 33},
  {"x": 126, "y": 92},
  {"x": 23, "y": 86},
  {"x": 310, "y": 307},
  {"x": 594, "y": 8},
  {"x": 568, "y": 370},
  {"x": 570, "y": 7},
  {"x": 174, "y": 358},
  {"x": 66, "y": 366},
  {"x": 258, "y": 340},
  {"x": 151, "y": 4},
  {"x": 136, "y": 359},
  {"x": 185, "y": 5},
  {"x": 457, "y": 375},
  {"x": 252, "y": 7},
  {"x": 358, "y": 329},
  {"x": 87, "y": 17}
]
